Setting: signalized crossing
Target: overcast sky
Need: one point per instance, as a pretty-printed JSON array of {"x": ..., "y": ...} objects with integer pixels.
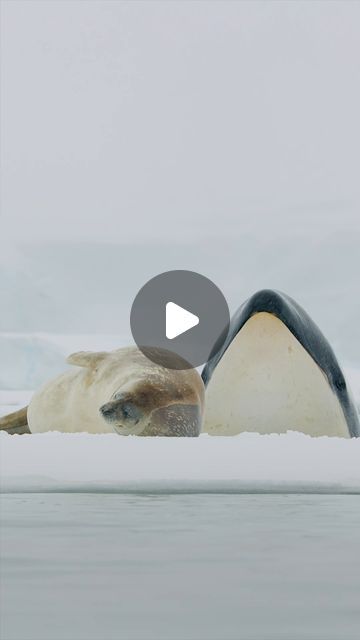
[{"x": 125, "y": 121}]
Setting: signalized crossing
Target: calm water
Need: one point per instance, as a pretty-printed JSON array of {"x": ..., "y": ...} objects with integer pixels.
[{"x": 176, "y": 567}]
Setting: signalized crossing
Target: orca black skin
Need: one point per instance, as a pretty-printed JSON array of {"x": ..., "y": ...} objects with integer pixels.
[{"x": 308, "y": 335}]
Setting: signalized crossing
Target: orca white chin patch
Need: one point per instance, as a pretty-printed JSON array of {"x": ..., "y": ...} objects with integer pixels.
[{"x": 267, "y": 382}]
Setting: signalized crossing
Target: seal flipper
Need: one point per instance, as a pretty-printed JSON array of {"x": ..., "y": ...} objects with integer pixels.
[
  {"x": 16, "y": 422},
  {"x": 276, "y": 372},
  {"x": 88, "y": 359}
]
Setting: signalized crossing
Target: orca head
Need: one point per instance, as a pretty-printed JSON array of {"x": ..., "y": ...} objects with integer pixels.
[{"x": 275, "y": 373}]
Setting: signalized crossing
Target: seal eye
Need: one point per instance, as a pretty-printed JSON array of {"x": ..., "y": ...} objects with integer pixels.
[
  {"x": 127, "y": 410},
  {"x": 130, "y": 411}
]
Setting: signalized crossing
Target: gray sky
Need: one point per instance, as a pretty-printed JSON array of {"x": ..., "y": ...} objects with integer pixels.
[{"x": 144, "y": 120}]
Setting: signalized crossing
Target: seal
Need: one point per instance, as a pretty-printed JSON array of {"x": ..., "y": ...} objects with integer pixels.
[
  {"x": 277, "y": 372},
  {"x": 120, "y": 391}
]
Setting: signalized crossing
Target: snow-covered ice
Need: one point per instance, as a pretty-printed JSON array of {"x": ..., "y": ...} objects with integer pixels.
[{"x": 290, "y": 462}]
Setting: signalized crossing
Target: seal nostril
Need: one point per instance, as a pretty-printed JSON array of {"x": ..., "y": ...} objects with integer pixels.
[{"x": 106, "y": 410}]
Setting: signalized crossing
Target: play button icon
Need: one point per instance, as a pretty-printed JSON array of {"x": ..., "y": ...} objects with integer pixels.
[{"x": 179, "y": 319}]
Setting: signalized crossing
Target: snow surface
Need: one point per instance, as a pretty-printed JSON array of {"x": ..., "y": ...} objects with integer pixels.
[{"x": 291, "y": 462}]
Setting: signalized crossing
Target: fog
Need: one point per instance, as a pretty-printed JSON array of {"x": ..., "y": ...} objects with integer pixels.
[
  {"x": 217, "y": 136},
  {"x": 137, "y": 120}
]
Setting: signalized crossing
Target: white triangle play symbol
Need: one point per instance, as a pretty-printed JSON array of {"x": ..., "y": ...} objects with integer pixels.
[{"x": 178, "y": 320}]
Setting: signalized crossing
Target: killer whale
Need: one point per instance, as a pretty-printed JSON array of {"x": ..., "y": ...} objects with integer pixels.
[{"x": 276, "y": 372}]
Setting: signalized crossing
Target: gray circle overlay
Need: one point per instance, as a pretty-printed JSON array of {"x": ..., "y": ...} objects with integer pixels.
[{"x": 196, "y": 294}]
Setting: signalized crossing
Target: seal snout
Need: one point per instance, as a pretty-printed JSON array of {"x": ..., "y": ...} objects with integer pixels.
[
  {"x": 107, "y": 410},
  {"x": 122, "y": 412}
]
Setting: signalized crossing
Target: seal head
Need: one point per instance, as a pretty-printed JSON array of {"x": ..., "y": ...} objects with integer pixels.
[{"x": 165, "y": 403}]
